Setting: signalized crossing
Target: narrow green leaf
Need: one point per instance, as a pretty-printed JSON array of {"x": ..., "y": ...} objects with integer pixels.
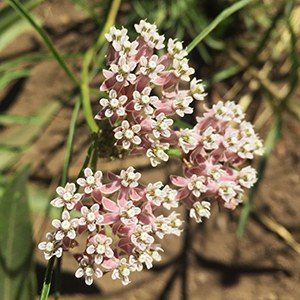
[
  {"x": 34, "y": 57},
  {"x": 18, "y": 119},
  {"x": 225, "y": 73},
  {"x": 9, "y": 17},
  {"x": 7, "y": 78},
  {"x": 16, "y": 243},
  {"x": 24, "y": 13},
  {"x": 12, "y": 32},
  {"x": 221, "y": 17}
]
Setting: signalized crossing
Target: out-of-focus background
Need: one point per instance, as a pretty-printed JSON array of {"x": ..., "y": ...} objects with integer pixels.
[{"x": 251, "y": 57}]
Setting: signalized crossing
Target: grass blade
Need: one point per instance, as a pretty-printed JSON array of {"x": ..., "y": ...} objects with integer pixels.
[
  {"x": 18, "y": 119},
  {"x": 16, "y": 242},
  {"x": 35, "y": 57},
  {"x": 9, "y": 17},
  {"x": 23, "y": 12},
  {"x": 221, "y": 17},
  {"x": 7, "y": 78}
]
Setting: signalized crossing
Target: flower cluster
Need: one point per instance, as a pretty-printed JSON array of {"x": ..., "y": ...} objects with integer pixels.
[
  {"x": 141, "y": 119},
  {"x": 214, "y": 151},
  {"x": 119, "y": 220}
]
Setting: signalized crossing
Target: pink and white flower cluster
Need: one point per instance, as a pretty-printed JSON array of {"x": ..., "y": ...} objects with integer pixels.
[
  {"x": 119, "y": 220},
  {"x": 141, "y": 119},
  {"x": 214, "y": 152}
]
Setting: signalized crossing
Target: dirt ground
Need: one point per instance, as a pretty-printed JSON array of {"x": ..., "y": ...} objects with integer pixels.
[{"x": 208, "y": 262}]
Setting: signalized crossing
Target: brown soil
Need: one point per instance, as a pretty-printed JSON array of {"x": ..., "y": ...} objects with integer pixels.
[{"x": 208, "y": 263}]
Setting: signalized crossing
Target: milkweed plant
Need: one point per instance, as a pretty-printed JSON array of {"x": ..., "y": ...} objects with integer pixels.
[{"x": 119, "y": 216}]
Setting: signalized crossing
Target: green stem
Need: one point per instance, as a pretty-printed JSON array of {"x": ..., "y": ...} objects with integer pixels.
[
  {"x": 64, "y": 179},
  {"x": 47, "y": 280},
  {"x": 70, "y": 142},
  {"x": 85, "y": 90}
]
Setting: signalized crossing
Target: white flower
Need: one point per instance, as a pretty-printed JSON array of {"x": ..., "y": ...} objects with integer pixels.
[
  {"x": 144, "y": 101},
  {"x": 128, "y": 213},
  {"x": 209, "y": 139},
  {"x": 157, "y": 152},
  {"x": 154, "y": 193},
  {"x": 175, "y": 49},
  {"x": 221, "y": 112},
  {"x": 231, "y": 139},
  {"x": 144, "y": 27},
  {"x": 128, "y": 48},
  {"x": 67, "y": 197},
  {"x": 128, "y": 134},
  {"x": 228, "y": 111},
  {"x": 161, "y": 226},
  {"x": 175, "y": 223},
  {"x": 167, "y": 225},
  {"x": 188, "y": 139},
  {"x": 182, "y": 69},
  {"x": 228, "y": 190},
  {"x": 182, "y": 103},
  {"x": 150, "y": 35},
  {"x": 51, "y": 247},
  {"x": 99, "y": 246},
  {"x": 200, "y": 210},
  {"x": 247, "y": 129},
  {"x": 197, "y": 89},
  {"x": 197, "y": 185},
  {"x": 114, "y": 104},
  {"x": 123, "y": 70},
  {"x": 130, "y": 178},
  {"x": 142, "y": 237},
  {"x": 91, "y": 181},
  {"x": 169, "y": 199},
  {"x": 116, "y": 35},
  {"x": 66, "y": 227},
  {"x": 247, "y": 177},
  {"x": 122, "y": 271},
  {"x": 150, "y": 67},
  {"x": 90, "y": 217},
  {"x": 248, "y": 146},
  {"x": 161, "y": 126},
  {"x": 237, "y": 114},
  {"x": 140, "y": 258},
  {"x": 88, "y": 269},
  {"x": 215, "y": 172}
]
